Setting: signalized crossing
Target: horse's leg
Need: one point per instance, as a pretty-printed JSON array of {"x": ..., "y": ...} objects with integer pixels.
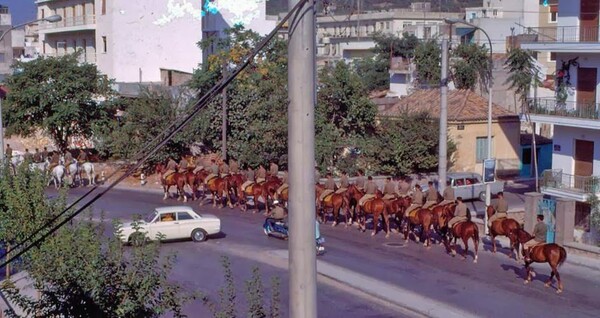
[
  {"x": 387, "y": 223},
  {"x": 549, "y": 281},
  {"x": 336, "y": 213},
  {"x": 559, "y": 288},
  {"x": 476, "y": 244},
  {"x": 375, "y": 222},
  {"x": 466, "y": 250},
  {"x": 454, "y": 246},
  {"x": 166, "y": 191},
  {"x": 528, "y": 273},
  {"x": 494, "y": 242}
]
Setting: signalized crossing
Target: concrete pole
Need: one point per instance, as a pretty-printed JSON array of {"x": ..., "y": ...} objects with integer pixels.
[
  {"x": 1, "y": 135},
  {"x": 443, "y": 147},
  {"x": 224, "y": 125},
  {"x": 301, "y": 154}
]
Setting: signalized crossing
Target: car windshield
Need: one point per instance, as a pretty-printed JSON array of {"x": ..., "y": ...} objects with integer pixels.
[{"x": 150, "y": 216}]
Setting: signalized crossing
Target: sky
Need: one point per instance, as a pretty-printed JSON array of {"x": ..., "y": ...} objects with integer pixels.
[{"x": 21, "y": 10}]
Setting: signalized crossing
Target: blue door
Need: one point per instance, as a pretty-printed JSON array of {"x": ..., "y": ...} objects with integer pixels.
[{"x": 547, "y": 208}]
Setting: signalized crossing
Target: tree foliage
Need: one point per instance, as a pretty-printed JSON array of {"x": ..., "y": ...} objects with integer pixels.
[
  {"x": 58, "y": 95},
  {"x": 428, "y": 60},
  {"x": 473, "y": 68},
  {"x": 386, "y": 44},
  {"x": 522, "y": 72},
  {"x": 374, "y": 73}
]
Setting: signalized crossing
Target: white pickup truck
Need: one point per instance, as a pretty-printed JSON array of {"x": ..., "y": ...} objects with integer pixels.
[{"x": 470, "y": 186}]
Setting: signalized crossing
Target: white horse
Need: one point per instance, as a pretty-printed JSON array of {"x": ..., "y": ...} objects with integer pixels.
[
  {"x": 90, "y": 173},
  {"x": 74, "y": 172},
  {"x": 39, "y": 166},
  {"x": 56, "y": 175}
]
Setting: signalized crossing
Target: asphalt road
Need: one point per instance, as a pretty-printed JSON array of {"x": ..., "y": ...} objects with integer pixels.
[{"x": 491, "y": 288}]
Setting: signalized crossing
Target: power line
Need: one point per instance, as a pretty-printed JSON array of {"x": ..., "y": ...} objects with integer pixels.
[{"x": 202, "y": 102}]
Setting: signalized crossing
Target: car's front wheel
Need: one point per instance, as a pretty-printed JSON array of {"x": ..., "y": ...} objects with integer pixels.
[
  {"x": 199, "y": 235},
  {"x": 482, "y": 196}
]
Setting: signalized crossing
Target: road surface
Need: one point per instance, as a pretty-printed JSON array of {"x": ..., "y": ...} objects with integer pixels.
[{"x": 492, "y": 288}]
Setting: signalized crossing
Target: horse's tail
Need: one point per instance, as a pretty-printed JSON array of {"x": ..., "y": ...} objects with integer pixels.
[
  {"x": 563, "y": 256},
  {"x": 476, "y": 233}
]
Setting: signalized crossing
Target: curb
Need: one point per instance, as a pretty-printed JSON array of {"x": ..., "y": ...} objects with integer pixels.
[{"x": 409, "y": 300}]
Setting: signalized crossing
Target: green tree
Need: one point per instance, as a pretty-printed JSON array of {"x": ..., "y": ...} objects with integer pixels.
[
  {"x": 522, "y": 72},
  {"x": 59, "y": 95},
  {"x": 386, "y": 44},
  {"x": 428, "y": 62},
  {"x": 473, "y": 68},
  {"x": 374, "y": 73}
]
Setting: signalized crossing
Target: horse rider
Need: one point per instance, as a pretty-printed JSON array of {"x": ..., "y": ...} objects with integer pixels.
[
  {"x": 45, "y": 154},
  {"x": 224, "y": 169},
  {"x": 234, "y": 167},
  {"x": 8, "y": 153},
  {"x": 539, "y": 237},
  {"x": 360, "y": 180},
  {"x": 199, "y": 164},
  {"x": 171, "y": 168},
  {"x": 370, "y": 191},
  {"x": 68, "y": 161},
  {"x": 261, "y": 174},
  {"x": 500, "y": 208},
  {"x": 82, "y": 158},
  {"x": 54, "y": 161},
  {"x": 448, "y": 194},
  {"x": 28, "y": 156},
  {"x": 329, "y": 187},
  {"x": 460, "y": 214},
  {"x": 344, "y": 183},
  {"x": 37, "y": 156},
  {"x": 403, "y": 187},
  {"x": 284, "y": 182},
  {"x": 183, "y": 165},
  {"x": 213, "y": 171},
  {"x": 273, "y": 169},
  {"x": 249, "y": 177},
  {"x": 417, "y": 200},
  {"x": 432, "y": 196},
  {"x": 389, "y": 189}
]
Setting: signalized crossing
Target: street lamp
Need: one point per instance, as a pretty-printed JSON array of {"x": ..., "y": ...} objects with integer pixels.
[
  {"x": 488, "y": 194},
  {"x": 51, "y": 19}
]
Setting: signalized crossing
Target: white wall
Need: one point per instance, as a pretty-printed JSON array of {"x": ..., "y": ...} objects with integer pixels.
[
  {"x": 565, "y": 138},
  {"x": 147, "y": 35},
  {"x": 585, "y": 60},
  {"x": 568, "y": 13}
]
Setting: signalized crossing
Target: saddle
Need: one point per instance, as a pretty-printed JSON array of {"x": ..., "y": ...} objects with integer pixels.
[
  {"x": 459, "y": 222},
  {"x": 211, "y": 181},
  {"x": 328, "y": 197},
  {"x": 248, "y": 187},
  {"x": 413, "y": 213}
]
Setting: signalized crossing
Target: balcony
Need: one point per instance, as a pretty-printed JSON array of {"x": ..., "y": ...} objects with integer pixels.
[
  {"x": 78, "y": 23},
  {"x": 573, "y": 114},
  {"x": 557, "y": 183},
  {"x": 562, "y": 39},
  {"x": 83, "y": 57},
  {"x": 400, "y": 65}
]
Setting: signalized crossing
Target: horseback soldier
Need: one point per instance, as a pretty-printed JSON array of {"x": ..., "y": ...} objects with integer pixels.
[
  {"x": 403, "y": 187},
  {"x": 82, "y": 158},
  {"x": 344, "y": 183},
  {"x": 54, "y": 161},
  {"x": 371, "y": 190},
  {"x": 448, "y": 194},
  {"x": 68, "y": 158},
  {"x": 389, "y": 189},
  {"x": 539, "y": 237},
  {"x": 183, "y": 165},
  {"x": 28, "y": 156},
  {"x": 199, "y": 163},
  {"x": 417, "y": 200},
  {"x": 360, "y": 180},
  {"x": 37, "y": 156},
  {"x": 273, "y": 169},
  {"x": 249, "y": 177},
  {"x": 329, "y": 187},
  {"x": 9, "y": 152},
  {"x": 224, "y": 169},
  {"x": 171, "y": 168},
  {"x": 213, "y": 171},
  {"x": 45, "y": 154},
  {"x": 460, "y": 213},
  {"x": 234, "y": 167},
  {"x": 501, "y": 208},
  {"x": 432, "y": 196},
  {"x": 261, "y": 174},
  {"x": 284, "y": 182}
]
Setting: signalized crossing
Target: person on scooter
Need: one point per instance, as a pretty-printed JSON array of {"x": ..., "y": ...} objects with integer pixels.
[
  {"x": 278, "y": 214},
  {"x": 319, "y": 238}
]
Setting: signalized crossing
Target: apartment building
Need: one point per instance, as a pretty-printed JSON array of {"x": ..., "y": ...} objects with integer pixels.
[
  {"x": 573, "y": 112},
  {"x": 6, "y": 49}
]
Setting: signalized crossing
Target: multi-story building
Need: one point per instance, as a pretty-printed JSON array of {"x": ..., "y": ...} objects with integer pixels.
[
  {"x": 573, "y": 113},
  {"x": 6, "y": 49}
]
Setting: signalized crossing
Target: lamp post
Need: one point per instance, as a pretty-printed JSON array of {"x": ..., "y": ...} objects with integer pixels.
[
  {"x": 51, "y": 19},
  {"x": 488, "y": 194}
]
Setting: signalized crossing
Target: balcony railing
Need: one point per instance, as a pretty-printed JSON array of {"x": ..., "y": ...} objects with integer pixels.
[
  {"x": 69, "y": 22},
  {"x": 83, "y": 57},
  {"x": 562, "y": 34},
  {"x": 399, "y": 64},
  {"x": 557, "y": 179},
  {"x": 550, "y": 106}
]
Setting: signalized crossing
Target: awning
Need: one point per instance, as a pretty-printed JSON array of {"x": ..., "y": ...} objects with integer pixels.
[{"x": 462, "y": 31}]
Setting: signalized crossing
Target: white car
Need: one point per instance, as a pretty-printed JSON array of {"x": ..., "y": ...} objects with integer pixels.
[{"x": 174, "y": 222}]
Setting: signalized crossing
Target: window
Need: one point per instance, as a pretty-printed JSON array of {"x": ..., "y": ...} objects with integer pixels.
[
  {"x": 481, "y": 149},
  {"x": 184, "y": 216},
  {"x": 103, "y": 7},
  {"x": 495, "y": 12},
  {"x": 104, "y": 50},
  {"x": 552, "y": 57},
  {"x": 1, "y": 57},
  {"x": 387, "y": 25},
  {"x": 553, "y": 17},
  {"x": 166, "y": 217},
  {"x": 43, "y": 14}
]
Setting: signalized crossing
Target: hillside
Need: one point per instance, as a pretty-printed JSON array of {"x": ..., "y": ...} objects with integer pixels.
[{"x": 345, "y": 6}]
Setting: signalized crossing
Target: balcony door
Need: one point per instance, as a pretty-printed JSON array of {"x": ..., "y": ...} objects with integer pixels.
[
  {"x": 589, "y": 11},
  {"x": 584, "y": 163},
  {"x": 586, "y": 90}
]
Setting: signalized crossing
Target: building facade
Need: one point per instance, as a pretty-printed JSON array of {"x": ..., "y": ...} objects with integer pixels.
[
  {"x": 573, "y": 112},
  {"x": 6, "y": 48}
]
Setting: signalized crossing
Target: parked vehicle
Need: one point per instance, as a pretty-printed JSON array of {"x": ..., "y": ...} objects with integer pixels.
[
  {"x": 470, "y": 185},
  {"x": 174, "y": 222}
]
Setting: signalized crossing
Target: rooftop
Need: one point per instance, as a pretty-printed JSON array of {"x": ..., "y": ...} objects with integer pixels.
[{"x": 463, "y": 105}]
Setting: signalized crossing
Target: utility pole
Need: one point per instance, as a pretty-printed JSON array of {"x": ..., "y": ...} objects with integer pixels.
[
  {"x": 358, "y": 7},
  {"x": 443, "y": 147},
  {"x": 224, "y": 115},
  {"x": 301, "y": 154}
]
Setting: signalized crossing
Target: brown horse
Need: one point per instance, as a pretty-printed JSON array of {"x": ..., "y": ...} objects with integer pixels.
[
  {"x": 235, "y": 181},
  {"x": 334, "y": 201},
  {"x": 465, "y": 230},
  {"x": 396, "y": 209},
  {"x": 422, "y": 217},
  {"x": 218, "y": 187},
  {"x": 353, "y": 195},
  {"x": 376, "y": 207},
  {"x": 176, "y": 179},
  {"x": 502, "y": 227},
  {"x": 551, "y": 253},
  {"x": 257, "y": 191}
]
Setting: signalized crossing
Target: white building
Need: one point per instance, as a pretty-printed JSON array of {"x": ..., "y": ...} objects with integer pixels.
[
  {"x": 6, "y": 48},
  {"x": 574, "y": 112}
]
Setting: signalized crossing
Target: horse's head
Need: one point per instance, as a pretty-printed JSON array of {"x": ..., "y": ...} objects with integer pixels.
[
  {"x": 443, "y": 218},
  {"x": 159, "y": 168},
  {"x": 518, "y": 235}
]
